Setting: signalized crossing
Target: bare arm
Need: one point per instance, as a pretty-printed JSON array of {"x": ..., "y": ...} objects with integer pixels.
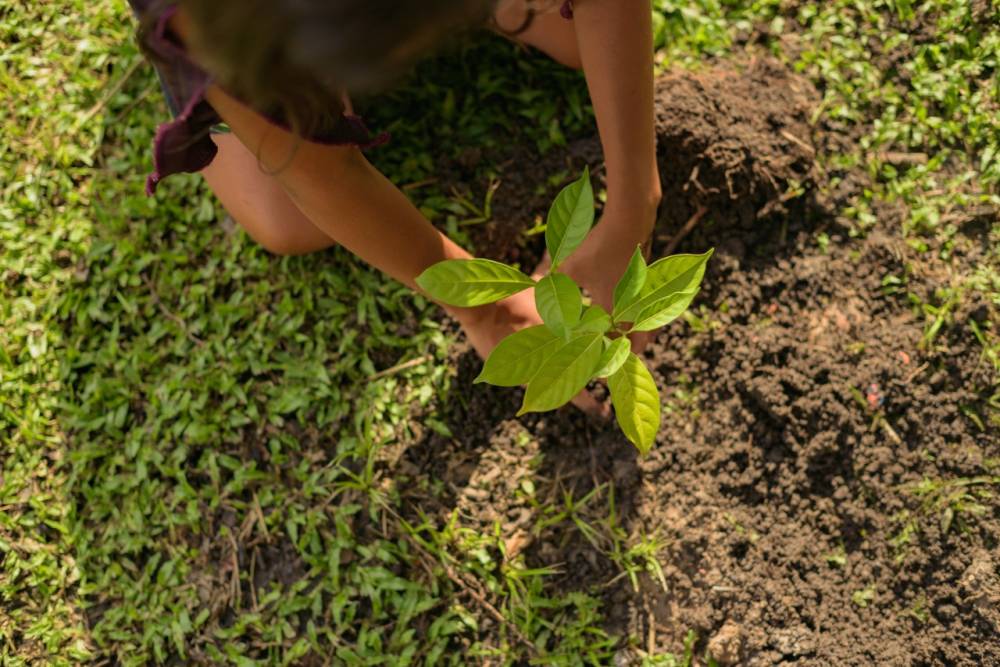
[
  {"x": 615, "y": 44},
  {"x": 615, "y": 39},
  {"x": 342, "y": 194}
]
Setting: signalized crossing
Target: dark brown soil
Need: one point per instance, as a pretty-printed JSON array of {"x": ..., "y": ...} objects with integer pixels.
[
  {"x": 735, "y": 142},
  {"x": 801, "y": 411}
]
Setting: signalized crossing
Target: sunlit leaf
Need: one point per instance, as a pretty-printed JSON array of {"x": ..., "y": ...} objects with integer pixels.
[
  {"x": 637, "y": 402},
  {"x": 664, "y": 311},
  {"x": 594, "y": 319},
  {"x": 615, "y": 354},
  {"x": 569, "y": 219},
  {"x": 664, "y": 278},
  {"x": 472, "y": 282},
  {"x": 559, "y": 302},
  {"x": 630, "y": 286},
  {"x": 564, "y": 374},
  {"x": 518, "y": 357}
]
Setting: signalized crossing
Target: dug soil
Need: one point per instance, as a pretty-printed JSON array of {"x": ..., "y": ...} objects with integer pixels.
[{"x": 821, "y": 485}]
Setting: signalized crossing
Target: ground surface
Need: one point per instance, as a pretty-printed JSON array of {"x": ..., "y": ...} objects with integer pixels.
[{"x": 213, "y": 456}]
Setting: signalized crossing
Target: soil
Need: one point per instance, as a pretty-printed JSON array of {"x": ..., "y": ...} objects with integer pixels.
[{"x": 802, "y": 410}]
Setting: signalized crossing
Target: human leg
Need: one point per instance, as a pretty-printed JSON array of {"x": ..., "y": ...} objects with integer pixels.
[{"x": 258, "y": 202}]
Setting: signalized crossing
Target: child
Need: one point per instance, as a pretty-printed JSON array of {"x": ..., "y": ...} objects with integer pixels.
[{"x": 291, "y": 172}]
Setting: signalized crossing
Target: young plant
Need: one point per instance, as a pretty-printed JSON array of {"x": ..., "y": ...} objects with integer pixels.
[{"x": 578, "y": 342}]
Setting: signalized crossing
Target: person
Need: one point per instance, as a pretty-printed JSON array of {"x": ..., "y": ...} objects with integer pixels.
[{"x": 291, "y": 169}]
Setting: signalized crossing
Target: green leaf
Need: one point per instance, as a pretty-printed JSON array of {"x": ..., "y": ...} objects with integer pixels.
[
  {"x": 630, "y": 286},
  {"x": 664, "y": 278},
  {"x": 564, "y": 374},
  {"x": 472, "y": 282},
  {"x": 518, "y": 357},
  {"x": 664, "y": 311},
  {"x": 570, "y": 218},
  {"x": 559, "y": 302},
  {"x": 637, "y": 402},
  {"x": 594, "y": 320},
  {"x": 615, "y": 354}
]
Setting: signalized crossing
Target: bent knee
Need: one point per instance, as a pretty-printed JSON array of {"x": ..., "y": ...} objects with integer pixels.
[
  {"x": 571, "y": 58},
  {"x": 280, "y": 245},
  {"x": 288, "y": 244},
  {"x": 284, "y": 241}
]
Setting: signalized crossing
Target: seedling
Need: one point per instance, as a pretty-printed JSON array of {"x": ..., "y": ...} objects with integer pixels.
[{"x": 577, "y": 342}]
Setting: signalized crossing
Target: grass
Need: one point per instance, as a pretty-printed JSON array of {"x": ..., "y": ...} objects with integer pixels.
[{"x": 182, "y": 414}]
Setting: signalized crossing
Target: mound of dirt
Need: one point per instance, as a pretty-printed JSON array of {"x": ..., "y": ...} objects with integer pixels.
[
  {"x": 822, "y": 495},
  {"x": 733, "y": 143}
]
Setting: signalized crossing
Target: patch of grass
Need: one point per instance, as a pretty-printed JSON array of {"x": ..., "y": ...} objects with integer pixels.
[
  {"x": 954, "y": 501},
  {"x": 918, "y": 611},
  {"x": 51, "y": 72},
  {"x": 864, "y": 596},
  {"x": 685, "y": 33},
  {"x": 192, "y": 430},
  {"x": 685, "y": 659},
  {"x": 916, "y": 82},
  {"x": 836, "y": 558},
  {"x": 499, "y": 588},
  {"x": 637, "y": 556}
]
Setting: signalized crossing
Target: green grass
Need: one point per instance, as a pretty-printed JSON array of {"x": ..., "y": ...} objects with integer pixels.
[{"x": 168, "y": 390}]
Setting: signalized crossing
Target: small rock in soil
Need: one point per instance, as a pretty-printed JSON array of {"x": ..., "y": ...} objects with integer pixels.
[
  {"x": 946, "y": 612},
  {"x": 794, "y": 642},
  {"x": 726, "y": 645}
]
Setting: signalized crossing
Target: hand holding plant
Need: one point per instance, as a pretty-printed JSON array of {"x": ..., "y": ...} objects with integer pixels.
[{"x": 577, "y": 342}]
